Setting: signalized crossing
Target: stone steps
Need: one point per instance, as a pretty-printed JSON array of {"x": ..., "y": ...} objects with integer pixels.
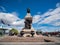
[{"x": 26, "y": 39}]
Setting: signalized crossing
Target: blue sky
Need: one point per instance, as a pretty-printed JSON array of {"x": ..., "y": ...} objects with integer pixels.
[
  {"x": 43, "y": 12},
  {"x": 20, "y": 6}
]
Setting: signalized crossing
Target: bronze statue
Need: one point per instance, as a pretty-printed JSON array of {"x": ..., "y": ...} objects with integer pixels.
[
  {"x": 28, "y": 10},
  {"x": 28, "y": 20}
]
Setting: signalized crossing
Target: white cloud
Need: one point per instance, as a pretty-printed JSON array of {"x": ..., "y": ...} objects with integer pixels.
[
  {"x": 36, "y": 18},
  {"x": 18, "y": 23},
  {"x": 58, "y": 5},
  {"x": 47, "y": 13},
  {"x": 15, "y": 13},
  {"x": 51, "y": 17},
  {"x": 11, "y": 19},
  {"x": 56, "y": 23},
  {"x": 8, "y": 17},
  {"x": 2, "y": 8},
  {"x": 54, "y": 15},
  {"x": 38, "y": 13},
  {"x": 39, "y": 17},
  {"x": 48, "y": 29}
]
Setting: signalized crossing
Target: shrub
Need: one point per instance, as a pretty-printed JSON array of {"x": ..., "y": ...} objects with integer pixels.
[{"x": 13, "y": 31}]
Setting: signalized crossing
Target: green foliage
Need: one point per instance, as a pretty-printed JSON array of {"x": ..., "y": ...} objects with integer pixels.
[{"x": 15, "y": 31}]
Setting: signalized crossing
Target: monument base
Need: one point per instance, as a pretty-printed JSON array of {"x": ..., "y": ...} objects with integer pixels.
[{"x": 28, "y": 33}]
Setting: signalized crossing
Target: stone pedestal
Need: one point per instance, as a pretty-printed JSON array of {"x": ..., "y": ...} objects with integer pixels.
[{"x": 29, "y": 32}]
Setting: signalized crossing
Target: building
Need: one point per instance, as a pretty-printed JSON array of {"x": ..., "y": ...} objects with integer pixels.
[{"x": 2, "y": 31}]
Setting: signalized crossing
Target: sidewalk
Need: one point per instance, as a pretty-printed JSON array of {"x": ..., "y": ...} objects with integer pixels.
[{"x": 28, "y": 43}]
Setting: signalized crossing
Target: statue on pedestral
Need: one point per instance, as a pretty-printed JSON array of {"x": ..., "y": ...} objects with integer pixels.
[
  {"x": 27, "y": 30},
  {"x": 28, "y": 20}
]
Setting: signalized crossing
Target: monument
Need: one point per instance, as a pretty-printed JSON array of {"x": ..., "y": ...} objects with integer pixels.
[{"x": 28, "y": 31}]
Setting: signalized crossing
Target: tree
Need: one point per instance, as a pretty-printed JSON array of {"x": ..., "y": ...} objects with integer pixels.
[
  {"x": 38, "y": 32},
  {"x": 13, "y": 32}
]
